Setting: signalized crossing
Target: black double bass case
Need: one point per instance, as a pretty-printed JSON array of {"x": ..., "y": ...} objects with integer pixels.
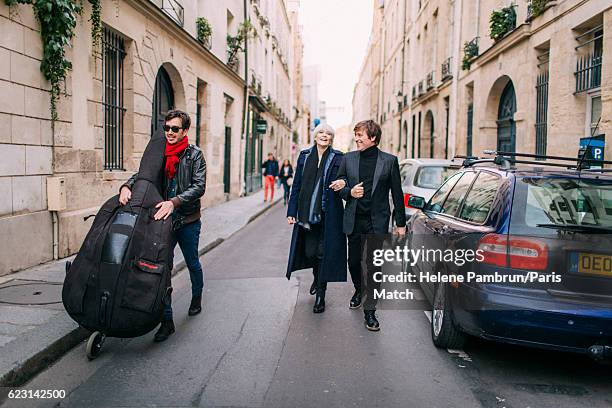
[{"x": 120, "y": 279}]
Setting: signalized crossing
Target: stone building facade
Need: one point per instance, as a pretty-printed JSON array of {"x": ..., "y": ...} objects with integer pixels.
[
  {"x": 150, "y": 60},
  {"x": 541, "y": 86}
]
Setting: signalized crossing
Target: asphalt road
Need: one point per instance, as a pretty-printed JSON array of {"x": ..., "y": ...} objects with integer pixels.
[{"x": 258, "y": 344}]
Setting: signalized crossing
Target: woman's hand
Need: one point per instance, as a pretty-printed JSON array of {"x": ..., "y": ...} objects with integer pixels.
[
  {"x": 337, "y": 185},
  {"x": 291, "y": 220}
]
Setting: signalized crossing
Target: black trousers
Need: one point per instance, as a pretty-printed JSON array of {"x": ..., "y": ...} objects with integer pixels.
[
  {"x": 313, "y": 248},
  {"x": 361, "y": 246}
]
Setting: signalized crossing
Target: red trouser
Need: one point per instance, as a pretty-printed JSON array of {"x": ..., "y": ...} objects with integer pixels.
[{"x": 269, "y": 183}]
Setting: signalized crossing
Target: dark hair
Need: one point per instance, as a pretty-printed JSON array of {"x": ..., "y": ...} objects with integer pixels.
[
  {"x": 288, "y": 162},
  {"x": 371, "y": 128},
  {"x": 175, "y": 113}
]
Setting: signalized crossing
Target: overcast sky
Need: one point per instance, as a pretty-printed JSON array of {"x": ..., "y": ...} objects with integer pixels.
[{"x": 336, "y": 34}]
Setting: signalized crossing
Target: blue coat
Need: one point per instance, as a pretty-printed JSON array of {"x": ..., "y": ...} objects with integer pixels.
[{"x": 333, "y": 265}]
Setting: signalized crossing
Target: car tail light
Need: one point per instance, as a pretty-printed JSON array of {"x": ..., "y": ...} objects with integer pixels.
[
  {"x": 519, "y": 252},
  {"x": 406, "y": 198}
]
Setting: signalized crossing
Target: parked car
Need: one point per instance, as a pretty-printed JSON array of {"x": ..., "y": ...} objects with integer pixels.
[
  {"x": 526, "y": 219},
  {"x": 422, "y": 177}
]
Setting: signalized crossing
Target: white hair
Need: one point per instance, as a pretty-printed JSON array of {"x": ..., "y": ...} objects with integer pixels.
[{"x": 324, "y": 127}]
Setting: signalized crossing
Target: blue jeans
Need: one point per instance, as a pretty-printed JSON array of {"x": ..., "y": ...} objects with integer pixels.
[{"x": 188, "y": 238}]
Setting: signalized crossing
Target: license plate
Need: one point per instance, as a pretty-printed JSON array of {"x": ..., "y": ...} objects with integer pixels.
[{"x": 595, "y": 264}]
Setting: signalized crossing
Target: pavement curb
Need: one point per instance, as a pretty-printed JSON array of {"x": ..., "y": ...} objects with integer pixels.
[
  {"x": 22, "y": 373},
  {"x": 26, "y": 370}
]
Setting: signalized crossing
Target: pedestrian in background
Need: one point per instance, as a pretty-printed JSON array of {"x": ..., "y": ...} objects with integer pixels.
[
  {"x": 270, "y": 173},
  {"x": 285, "y": 176},
  {"x": 315, "y": 212},
  {"x": 365, "y": 179},
  {"x": 184, "y": 185}
]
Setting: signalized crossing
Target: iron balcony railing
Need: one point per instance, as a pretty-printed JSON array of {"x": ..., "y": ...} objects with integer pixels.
[
  {"x": 590, "y": 55},
  {"x": 446, "y": 69},
  {"x": 535, "y": 9},
  {"x": 173, "y": 8},
  {"x": 588, "y": 71},
  {"x": 430, "y": 80}
]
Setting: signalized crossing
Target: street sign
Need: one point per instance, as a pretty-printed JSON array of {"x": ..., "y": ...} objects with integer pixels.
[
  {"x": 261, "y": 126},
  {"x": 593, "y": 149}
]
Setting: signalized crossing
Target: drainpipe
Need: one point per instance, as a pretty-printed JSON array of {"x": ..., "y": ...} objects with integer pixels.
[
  {"x": 403, "y": 73},
  {"x": 55, "y": 234},
  {"x": 245, "y": 106},
  {"x": 456, "y": 70}
]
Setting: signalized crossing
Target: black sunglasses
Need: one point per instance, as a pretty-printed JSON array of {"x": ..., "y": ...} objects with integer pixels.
[{"x": 174, "y": 129}]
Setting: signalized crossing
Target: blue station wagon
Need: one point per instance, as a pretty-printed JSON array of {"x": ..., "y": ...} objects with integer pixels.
[{"x": 525, "y": 220}]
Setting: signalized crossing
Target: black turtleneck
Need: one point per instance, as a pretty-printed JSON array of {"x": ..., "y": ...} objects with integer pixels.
[{"x": 367, "y": 165}]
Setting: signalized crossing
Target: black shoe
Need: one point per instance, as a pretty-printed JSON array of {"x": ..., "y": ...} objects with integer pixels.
[
  {"x": 196, "y": 305},
  {"x": 313, "y": 288},
  {"x": 370, "y": 320},
  {"x": 319, "y": 306},
  {"x": 165, "y": 330},
  {"x": 355, "y": 300}
]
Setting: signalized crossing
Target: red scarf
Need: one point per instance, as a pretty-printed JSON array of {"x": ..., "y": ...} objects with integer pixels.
[{"x": 173, "y": 151}]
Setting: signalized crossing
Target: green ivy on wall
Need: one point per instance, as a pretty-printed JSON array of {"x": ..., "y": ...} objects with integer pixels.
[{"x": 58, "y": 20}]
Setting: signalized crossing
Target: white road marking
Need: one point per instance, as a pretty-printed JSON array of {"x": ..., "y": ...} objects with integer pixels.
[
  {"x": 462, "y": 354},
  {"x": 428, "y": 314}
]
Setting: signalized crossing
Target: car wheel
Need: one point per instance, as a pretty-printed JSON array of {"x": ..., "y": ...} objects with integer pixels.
[{"x": 444, "y": 332}]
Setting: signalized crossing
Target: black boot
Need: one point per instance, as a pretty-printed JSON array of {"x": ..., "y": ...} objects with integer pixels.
[
  {"x": 196, "y": 305},
  {"x": 313, "y": 287},
  {"x": 355, "y": 300},
  {"x": 370, "y": 320},
  {"x": 319, "y": 306},
  {"x": 165, "y": 330}
]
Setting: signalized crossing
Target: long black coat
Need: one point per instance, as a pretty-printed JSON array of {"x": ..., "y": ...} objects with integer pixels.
[{"x": 333, "y": 265}]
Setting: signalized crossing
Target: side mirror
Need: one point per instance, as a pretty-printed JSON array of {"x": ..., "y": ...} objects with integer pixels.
[{"x": 416, "y": 202}]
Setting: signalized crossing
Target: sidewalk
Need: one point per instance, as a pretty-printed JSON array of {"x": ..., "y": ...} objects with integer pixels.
[{"x": 34, "y": 328}]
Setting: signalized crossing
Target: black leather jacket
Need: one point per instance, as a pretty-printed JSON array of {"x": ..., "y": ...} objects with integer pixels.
[{"x": 190, "y": 179}]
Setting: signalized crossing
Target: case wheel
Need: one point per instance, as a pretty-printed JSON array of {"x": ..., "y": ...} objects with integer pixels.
[{"x": 94, "y": 345}]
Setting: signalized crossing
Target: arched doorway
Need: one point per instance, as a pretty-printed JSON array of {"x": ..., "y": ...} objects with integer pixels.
[
  {"x": 506, "y": 126},
  {"x": 163, "y": 100}
]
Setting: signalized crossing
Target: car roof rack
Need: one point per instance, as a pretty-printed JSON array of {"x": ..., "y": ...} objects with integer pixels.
[
  {"x": 511, "y": 156},
  {"x": 470, "y": 161}
]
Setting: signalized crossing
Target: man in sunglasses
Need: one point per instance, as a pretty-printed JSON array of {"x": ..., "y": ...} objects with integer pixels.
[{"x": 184, "y": 185}]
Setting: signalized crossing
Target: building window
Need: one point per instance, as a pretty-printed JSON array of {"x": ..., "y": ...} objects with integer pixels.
[
  {"x": 114, "y": 110},
  {"x": 590, "y": 56},
  {"x": 593, "y": 114}
]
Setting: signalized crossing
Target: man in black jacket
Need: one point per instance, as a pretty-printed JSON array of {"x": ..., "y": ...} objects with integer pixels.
[
  {"x": 364, "y": 180},
  {"x": 184, "y": 185}
]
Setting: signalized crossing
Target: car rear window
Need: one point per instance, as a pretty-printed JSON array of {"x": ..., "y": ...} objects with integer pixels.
[
  {"x": 432, "y": 177},
  {"x": 560, "y": 203}
]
